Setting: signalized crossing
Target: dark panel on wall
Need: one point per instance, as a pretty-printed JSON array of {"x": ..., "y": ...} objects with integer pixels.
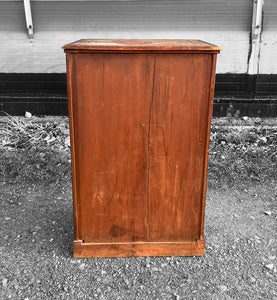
[
  {"x": 33, "y": 83},
  {"x": 46, "y": 94},
  {"x": 230, "y": 85},
  {"x": 266, "y": 85},
  {"x": 227, "y": 85}
]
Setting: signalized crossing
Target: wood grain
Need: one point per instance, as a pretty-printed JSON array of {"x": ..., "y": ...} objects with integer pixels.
[
  {"x": 70, "y": 81},
  {"x": 111, "y": 112},
  {"x": 177, "y": 142},
  {"x": 137, "y": 45},
  {"x": 139, "y": 132},
  {"x": 138, "y": 249},
  {"x": 211, "y": 84}
]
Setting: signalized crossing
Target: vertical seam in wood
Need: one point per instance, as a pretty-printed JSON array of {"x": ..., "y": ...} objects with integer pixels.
[
  {"x": 69, "y": 60},
  {"x": 148, "y": 150},
  {"x": 208, "y": 126}
]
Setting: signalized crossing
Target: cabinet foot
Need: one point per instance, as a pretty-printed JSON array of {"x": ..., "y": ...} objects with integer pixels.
[{"x": 82, "y": 250}]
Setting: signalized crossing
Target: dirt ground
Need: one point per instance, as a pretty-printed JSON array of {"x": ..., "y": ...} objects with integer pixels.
[{"x": 37, "y": 222}]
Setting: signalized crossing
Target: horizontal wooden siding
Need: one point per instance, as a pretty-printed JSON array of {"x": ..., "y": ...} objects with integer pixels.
[{"x": 226, "y": 23}]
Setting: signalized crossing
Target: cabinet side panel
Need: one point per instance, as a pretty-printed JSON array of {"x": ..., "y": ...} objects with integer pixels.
[
  {"x": 177, "y": 143},
  {"x": 70, "y": 88},
  {"x": 111, "y": 118},
  {"x": 208, "y": 128}
]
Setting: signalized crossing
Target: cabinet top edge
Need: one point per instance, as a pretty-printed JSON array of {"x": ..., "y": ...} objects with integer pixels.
[{"x": 136, "y": 45}]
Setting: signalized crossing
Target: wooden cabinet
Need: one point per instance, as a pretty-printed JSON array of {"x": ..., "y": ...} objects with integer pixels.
[{"x": 140, "y": 113}]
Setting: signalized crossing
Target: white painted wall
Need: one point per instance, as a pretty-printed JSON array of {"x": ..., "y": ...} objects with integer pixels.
[
  {"x": 268, "y": 52},
  {"x": 223, "y": 22},
  {"x": 44, "y": 54}
]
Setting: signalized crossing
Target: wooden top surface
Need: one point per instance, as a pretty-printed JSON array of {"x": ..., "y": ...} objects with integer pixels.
[{"x": 130, "y": 45}]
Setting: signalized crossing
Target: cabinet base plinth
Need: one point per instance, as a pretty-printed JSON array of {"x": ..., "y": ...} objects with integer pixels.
[{"x": 82, "y": 250}]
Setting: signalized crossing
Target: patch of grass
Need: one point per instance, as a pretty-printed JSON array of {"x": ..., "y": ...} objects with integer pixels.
[
  {"x": 38, "y": 150},
  {"x": 22, "y": 133},
  {"x": 242, "y": 152}
]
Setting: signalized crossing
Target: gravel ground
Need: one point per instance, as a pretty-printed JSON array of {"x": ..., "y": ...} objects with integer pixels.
[{"x": 37, "y": 232}]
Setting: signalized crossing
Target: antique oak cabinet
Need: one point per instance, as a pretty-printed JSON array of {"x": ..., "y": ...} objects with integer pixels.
[{"x": 140, "y": 113}]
